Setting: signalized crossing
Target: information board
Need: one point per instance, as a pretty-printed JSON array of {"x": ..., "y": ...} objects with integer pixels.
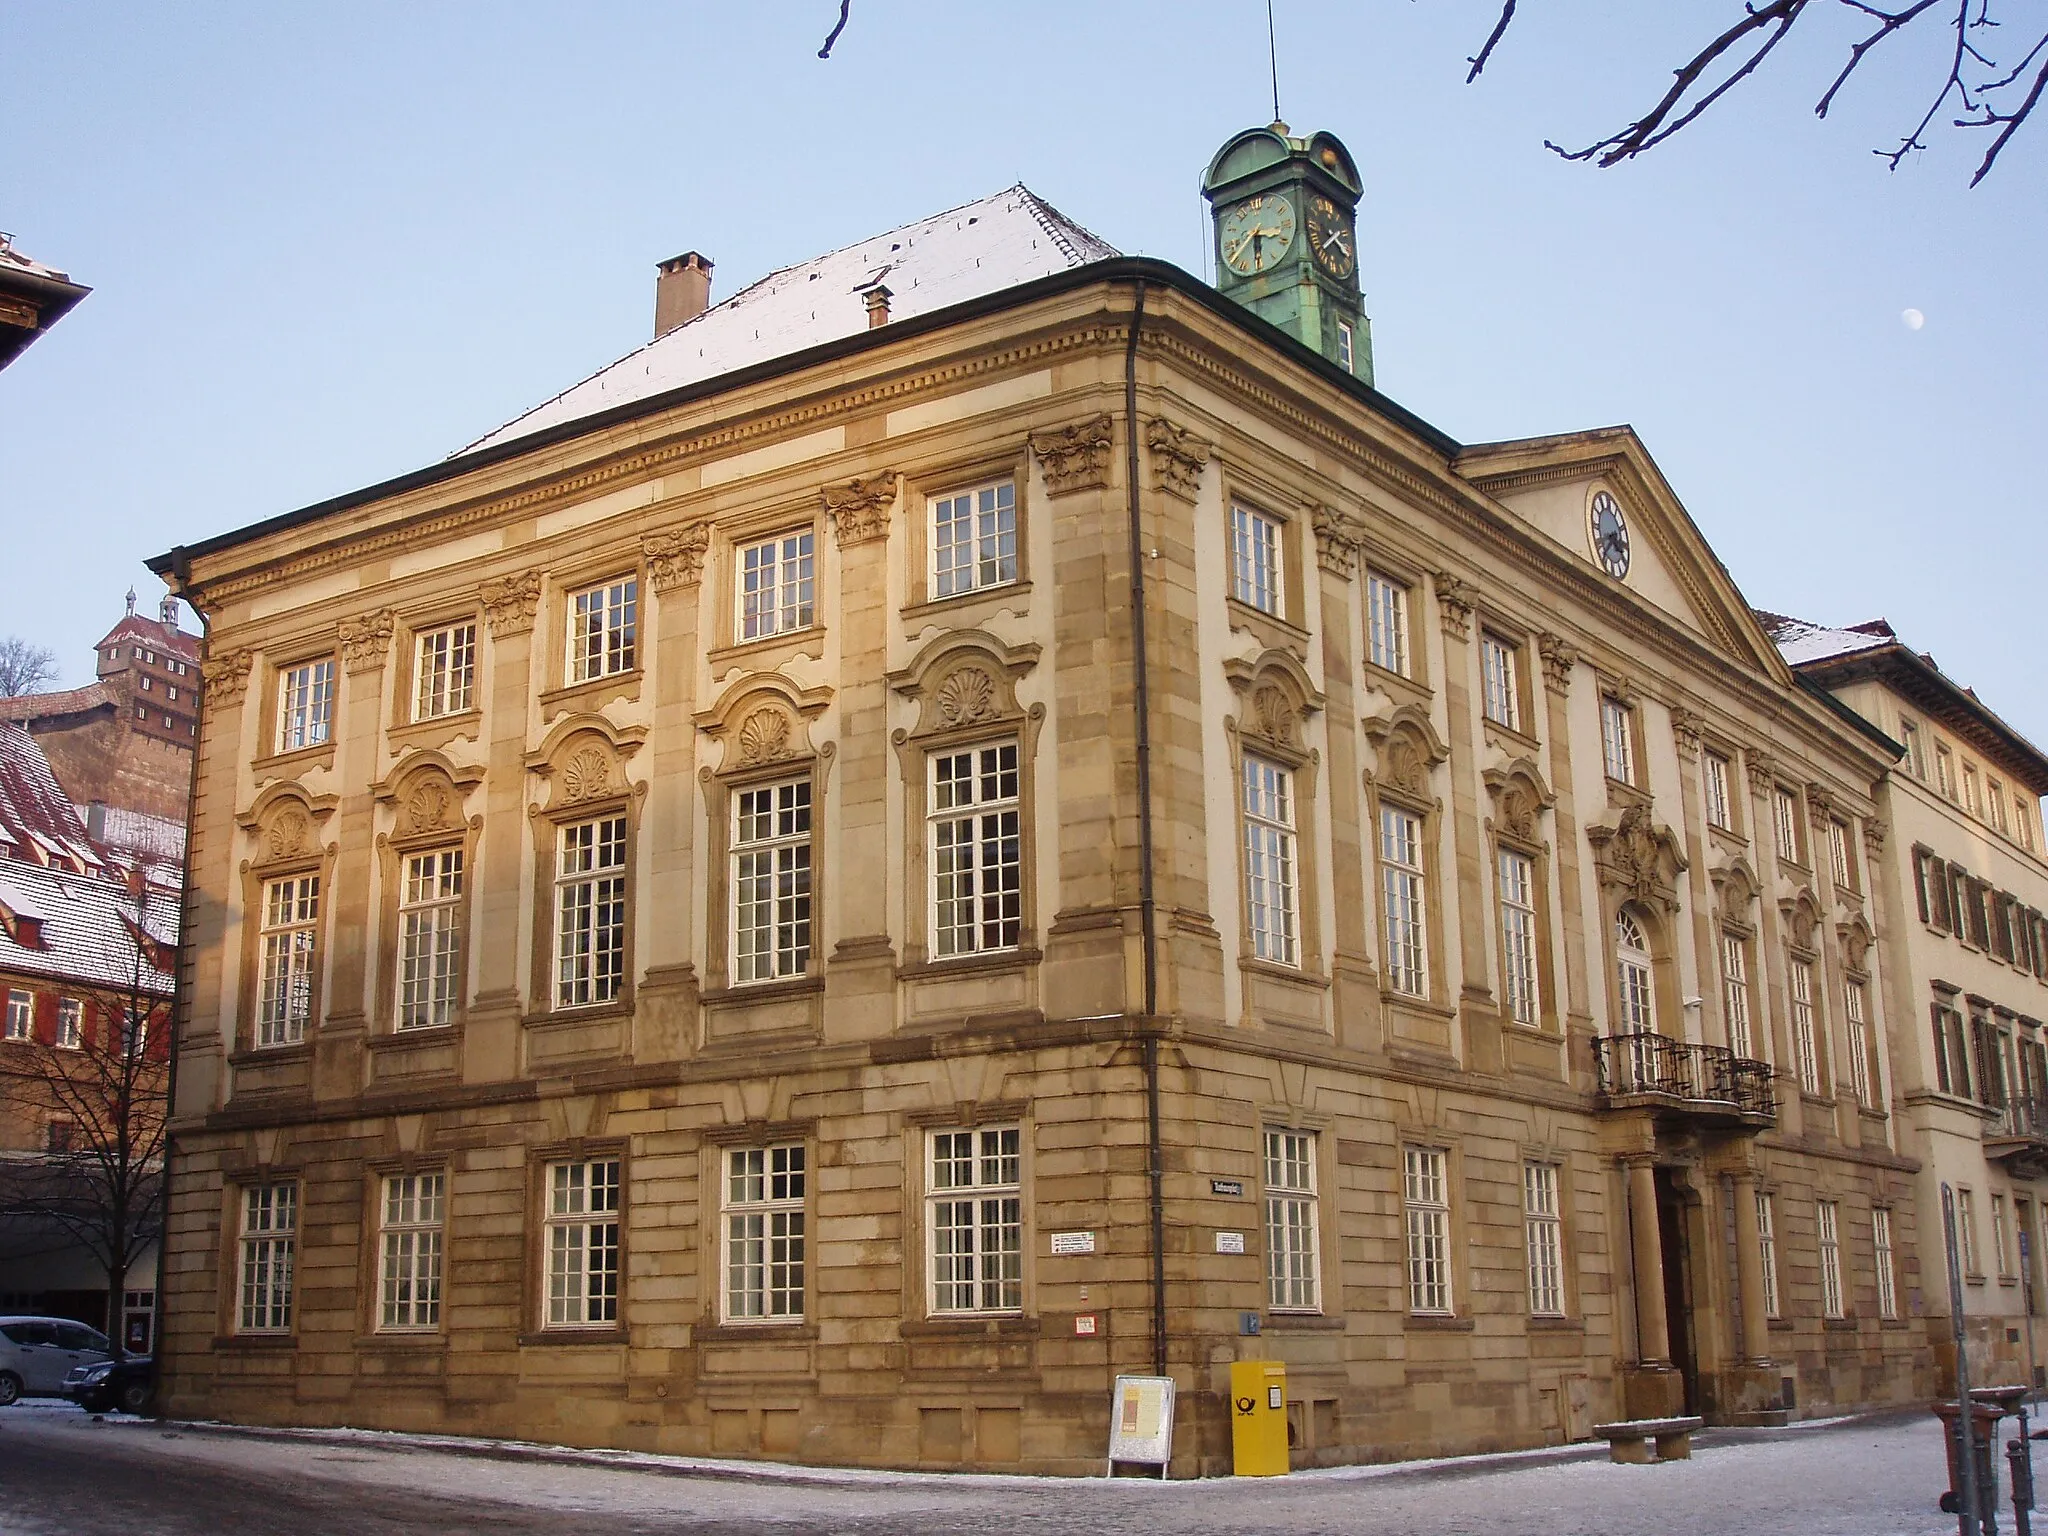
[{"x": 1141, "y": 1421}]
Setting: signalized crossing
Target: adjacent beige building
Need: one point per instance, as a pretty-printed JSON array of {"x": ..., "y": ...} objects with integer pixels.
[{"x": 978, "y": 817}]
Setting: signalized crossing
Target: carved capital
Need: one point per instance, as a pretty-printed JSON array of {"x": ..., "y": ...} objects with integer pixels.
[
  {"x": 1559, "y": 657},
  {"x": 1454, "y": 600},
  {"x": 1820, "y": 799},
  {"x": 1686, "y": 727},
  {"x": 860, "y": 508},
  {"x": 366, "y": 642},
  {"x": 675, "y": 556},
  {"x": 510, "y": 603},
  {"x": 1178, "y": 458},
  {"x": 1763, "y": 772},
  {"x": 224, "y": 677},
  {"x": 1076, "y": 457},
  {"x": 1337, "y": 538},
  {"x": 1875, "y": 830}
]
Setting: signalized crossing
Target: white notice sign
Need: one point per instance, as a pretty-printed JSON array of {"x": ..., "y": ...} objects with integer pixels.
[
  {"x": 1073, "y": 1242},
  {"x": 1141, "y": 1420},
  {"x": 1230, "y": 1242}
]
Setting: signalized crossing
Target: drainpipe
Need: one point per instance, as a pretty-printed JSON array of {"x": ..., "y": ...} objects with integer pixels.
[{"x": 1147, "y": 911}]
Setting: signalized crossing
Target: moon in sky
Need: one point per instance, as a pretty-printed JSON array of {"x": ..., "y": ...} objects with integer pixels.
[{"x": 1913, "y": 318}]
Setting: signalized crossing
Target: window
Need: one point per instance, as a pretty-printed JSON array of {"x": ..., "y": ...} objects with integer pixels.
[
  {"x": 1944, "y": 770},
  {"x": 1859, "y": 1043},
  {"x": 1386, "y": 622},
  {"x": 414, "y": 1213},
  {"x": 21, "y": 1014},
  {"x": 1735, "y": 994},
  {"x": 1344, "y": 345},
  {"x": 1292, "y": 1275},
  {"x": 1425, "y": 1197},
  {"x": 1951, "y": 1056},
  {"x": 58, "y": 1136},
  {"x": 1717, "y": 792},
  {"x": 583, "y": 1243},
  {"x": 590, "y": 912},
  {"x": 148, "y": 684},
  {"x": 771, "y": 881},
  {"x": 173, "y": 690},
  {"x": 1518, "y": 935},
  {"x": 1255, "y": 559},
  {"x": 1966, "y": 1231},
  {"x": 1634, "y": 976},
  {"x": 2022, "y": 823},
  {"x": 70, "y": 1023},
  {"x": 1545, "y": 1234},
  {"x": 1767, "y": 1250},
  {"x": 444, "y": 672},
  {"x": 430, "y": 939},
  {"x": 975, "y": 1221},
  {"x": 1270, "y": 871},
  {"x": 1994, "y": 801},
  {"x": 2001, "y": 1244},
  {"x": 270, "y": 1225},
  {"x": 284, "y": 997},
  {"x": 1785, "y": 824},
  {"x": 1828, "y": 1223},
  {"x": 305, "y": 705},
  {"x": 974, "y": 539},
  {"x": 776, "y": 586},
  {"x": 1804, "y": 1052},
  {"x": 977, "y": 851},
  {"x": 1402, "y": 889},
  {"x": 1838, "y": 855},
  {"x": 1499, "y": 680},
  {"x": 1618, "y": 740},
  {"x": 1887, "y": 1278},
  {"x": 764, "y": 1234},
  {"x": 1973, "y": 797},
  {"x": 603, "y": 630}
]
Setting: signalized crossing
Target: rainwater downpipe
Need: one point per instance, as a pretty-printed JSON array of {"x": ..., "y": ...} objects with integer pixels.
[{"x": 1147, "y": 911}]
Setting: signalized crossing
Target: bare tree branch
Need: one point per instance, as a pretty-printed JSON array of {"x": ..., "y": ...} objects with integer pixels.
[
  {"x": 1500, "y": 27},
  {"x": 826, "y": 51},
  {"x": 23, "y": 667}
]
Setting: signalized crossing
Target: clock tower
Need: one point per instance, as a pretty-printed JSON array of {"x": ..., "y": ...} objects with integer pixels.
[{"x": 1286, "y": 216}]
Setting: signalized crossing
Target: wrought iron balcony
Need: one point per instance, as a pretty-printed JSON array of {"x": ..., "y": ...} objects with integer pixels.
[
  {"x": 1706, "y": 1080},
  {"x": 2019, "y": 1137}
]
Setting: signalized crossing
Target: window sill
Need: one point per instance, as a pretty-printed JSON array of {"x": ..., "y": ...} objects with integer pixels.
[
  {"x": 754, "y": 1333},
  {"x": 1728, "y": 838},
  {"x": 1398, "y": 684},
  {"x": 298, "y": 760},
  {"x": 1433, "y": 1322},
  {"x": 743, "y": 992},
  {"x": 259, "y": 1055},
  {"x": 1293, "y": 975},
  {"x": 436, "y": 729},
  {"x": 587, "y": 1013},
  {"x": 430, "y": 1034},
  {"x": 1509, "y": 738},
  {"x": 1838, "y": 1324},
  {"x": 967, "y": 965},
  {"x": 1545, "y": 1323},
  {"x": 1975, "y": 1279},
  {"x": 1004, "y": 1326},
  {"x": 423, "y": 1341},
  {"x": 573, "y": 1337},
  {"x": 766, "y": 652},
  {"x": 1301, "y": 1322},
  {"x": 590, "y": 693},
  {"x": 1013, "y": 594},
  {"x": 1273, "y": 632}
]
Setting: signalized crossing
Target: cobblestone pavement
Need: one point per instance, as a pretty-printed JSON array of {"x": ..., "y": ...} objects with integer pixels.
[{"x": 63, "y": 1472}]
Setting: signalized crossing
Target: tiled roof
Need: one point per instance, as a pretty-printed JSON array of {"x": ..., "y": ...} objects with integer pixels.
[
  {"x": 1802, "y": 643},
  {"x": 85, "y": 937},
  {"x": 978, "y": 248},
  {"x": 43, "y": 706},
  {"x": 140, "y": 629},
  {"x": 156, "y": 843},
  {"x": 37, "y": 819},
  {"x": 20, "y": 261}
]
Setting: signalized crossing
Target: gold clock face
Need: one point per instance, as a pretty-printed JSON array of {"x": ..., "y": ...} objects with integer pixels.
[
  {"x": 1330, "y": 238},
  {"x": 1257, "y": 233}
]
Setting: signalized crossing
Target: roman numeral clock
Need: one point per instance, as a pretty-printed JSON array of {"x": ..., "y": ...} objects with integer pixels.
[{"x": 1286, "y": 217}]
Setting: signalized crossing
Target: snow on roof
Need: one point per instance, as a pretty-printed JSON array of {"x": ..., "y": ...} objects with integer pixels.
[
  {"x": 21, "y": 261},
  {"x": 164, "y": 637},
  {"x": 963, "y": 253},
  {"x": 34, "y": 810},
  {"x": 86, "y": 936},
  {"x": 1802, "y": 643},
  {"x": 156, "y": 843},
  {"x": 43, "y": 706}
]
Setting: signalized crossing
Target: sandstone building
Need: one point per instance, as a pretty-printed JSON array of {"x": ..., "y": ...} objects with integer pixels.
[{"x": 983, "y": 814}]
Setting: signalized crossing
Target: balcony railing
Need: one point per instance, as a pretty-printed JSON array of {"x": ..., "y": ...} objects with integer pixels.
[
  {"x": 2019, "y": 1137},
  {"x": 1706, "y": 1078}
]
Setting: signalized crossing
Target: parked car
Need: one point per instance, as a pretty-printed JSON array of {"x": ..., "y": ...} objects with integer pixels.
[
  {"x": 105, "y": 1385},
  {"x": 37, "y": 1353}
]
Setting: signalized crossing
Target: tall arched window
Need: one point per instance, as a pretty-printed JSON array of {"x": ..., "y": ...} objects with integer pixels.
[{"x": 1632, "y": 961}]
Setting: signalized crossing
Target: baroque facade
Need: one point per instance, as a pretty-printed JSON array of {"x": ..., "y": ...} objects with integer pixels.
[{"x": 827, "y": 902}]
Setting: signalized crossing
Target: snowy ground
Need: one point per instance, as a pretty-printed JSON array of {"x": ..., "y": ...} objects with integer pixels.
[{"x": 63, "y": 1472}]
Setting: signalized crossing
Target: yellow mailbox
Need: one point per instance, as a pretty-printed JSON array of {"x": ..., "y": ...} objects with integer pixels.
[{"x": 1258, "y": 1418}]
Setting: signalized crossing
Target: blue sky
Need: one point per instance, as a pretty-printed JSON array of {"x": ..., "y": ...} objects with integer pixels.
[{"x": 331, "y": 245}]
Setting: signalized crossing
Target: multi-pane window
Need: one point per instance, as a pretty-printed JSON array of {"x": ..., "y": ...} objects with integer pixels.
[
  {"x": 764, "y": 1234},
  {"x": 1838, "y": 855},
  {"x": 975, "y": 1221},
  {"x": 1916, "y": 754},
  {"x": 1618, "y": 740},
  {"x": 415, "y": 1214},
  {"x": 1966, "y": 1230},
  {"x": 1951, "y": 1055},
  {"x": 977, "y": 851},
  {"x": 430, "y": 938},
  {"x": 1859, "y": 1042},
  {"x": 1717, "y": 792},
  {"x": 583, "y": 1243},
  {"x": 1426, "y": 1201},
  {"x": 1501, "y": 689},
  {"x": 1785, "y": 824},
  {"x": 1344, "y": 345},
  {"x": 974, "y": 539},
  {"x": 1767, "y": 1250},
  {"x": 305, "y": 705},
  {"x": 777, "y": 585},
  {"x": 1735, "y": 993},
  {"x": 1827, "y": 1220},
  {"x": 1945, "y": 771},
  {"x": 284, "y": 984},
  {"x": 2001, "y": 1244},
  {"x": 1517, "y": 873},
  {"x": 1994, "y": 799},
  {"x": 1255, "y": 559},
  {"x": 70, "y": 1023},
  {"x": 270, "y": 1227},
  {"x": 1401, "y": 889},
  {"x": 1887, "y": 1281},
  {"x": 1634, "y": 976},
  {"x": 1270, "y": 868},
  {"x": 1973, "y": 800},
  {"x": 444, "y": 672},
  {"x": 21, "y": 1014},
  {"x": 1386, "y": 622},
  {"x": 590, "y": 912},
  {"x": 1544, "y": 1229},
  {"x": 604, "y": 630},
  {"x": 2023, "y": 823},
  {"x": 1805, "y": 1053},
  {"x": 771, "y": 881},
  {"x": 1292, "y": 1275}
]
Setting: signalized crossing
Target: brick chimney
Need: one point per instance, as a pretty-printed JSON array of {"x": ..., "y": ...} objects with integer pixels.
[
  {"x": 682, "y": 291},
  {"x": 877, "y": 300}
]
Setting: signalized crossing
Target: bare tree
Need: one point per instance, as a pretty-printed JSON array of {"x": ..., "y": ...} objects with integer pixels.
[
  {"x": 23, "y": 667},
  {"x": 1987, "y": 86}
]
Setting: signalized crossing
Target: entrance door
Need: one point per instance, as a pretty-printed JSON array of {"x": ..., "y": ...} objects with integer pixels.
[{"x": 1672, "y": 1222}]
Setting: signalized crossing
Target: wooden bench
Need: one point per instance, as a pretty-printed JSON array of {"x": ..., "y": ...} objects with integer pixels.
[{"x": 1628, "y": 1441}]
